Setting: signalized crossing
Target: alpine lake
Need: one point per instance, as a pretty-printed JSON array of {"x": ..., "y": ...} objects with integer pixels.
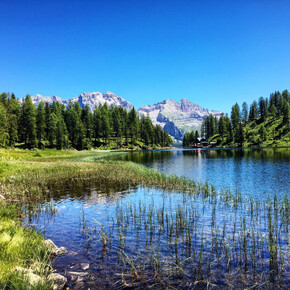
[{"x": 234, "y": 233}]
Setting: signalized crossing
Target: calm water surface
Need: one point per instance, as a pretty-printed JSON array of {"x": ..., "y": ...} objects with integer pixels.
[
  {"x": 255, "y": 172},
  {"x": 146, "y": 224}
]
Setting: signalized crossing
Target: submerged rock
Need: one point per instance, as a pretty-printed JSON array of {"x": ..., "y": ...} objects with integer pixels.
[
  {"x": 54, "y": 250},
  {"x": 81, "y": 274},
  {"x": 58, "y": 281},
  {"x": 85, "y": 266}
]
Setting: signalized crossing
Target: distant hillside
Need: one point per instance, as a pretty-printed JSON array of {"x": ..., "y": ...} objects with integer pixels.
[
  {"x": 61, "y": 125},
  {"x": 265, "y": 123}
]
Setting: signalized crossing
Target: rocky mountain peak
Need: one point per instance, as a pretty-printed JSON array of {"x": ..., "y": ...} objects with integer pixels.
[
  {"x": 91, "y": 99},
  {"x": 177, "y": 117}
]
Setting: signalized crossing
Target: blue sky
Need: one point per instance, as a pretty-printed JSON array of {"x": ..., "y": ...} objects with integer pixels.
[{"x": 214, "y": 53}]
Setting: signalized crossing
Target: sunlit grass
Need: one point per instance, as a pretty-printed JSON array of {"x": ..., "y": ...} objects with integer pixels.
[
  {"x": 250, "y": 245},
  {"x": 19, "y": 247}
]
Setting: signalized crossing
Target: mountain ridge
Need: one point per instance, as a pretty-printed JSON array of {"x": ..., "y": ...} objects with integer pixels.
[
  {"x": 185, "y": 115},
  {"x": 177, "y": 118}
]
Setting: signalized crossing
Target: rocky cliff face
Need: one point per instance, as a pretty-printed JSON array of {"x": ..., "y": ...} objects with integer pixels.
[
  {"x": 177, "y": 117},
  {"x": 97, "y": 98},
  {"x": 91, "y": 99}
]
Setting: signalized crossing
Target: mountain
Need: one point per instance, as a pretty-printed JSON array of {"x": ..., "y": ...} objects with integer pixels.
[
  {"x": 39, "y": 98},
  {"x": 91, "y": 99},
  {"x": 177, "y": 117}
]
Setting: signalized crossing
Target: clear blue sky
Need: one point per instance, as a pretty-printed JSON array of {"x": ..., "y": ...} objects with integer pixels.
[{"x": 214, "y": 53}]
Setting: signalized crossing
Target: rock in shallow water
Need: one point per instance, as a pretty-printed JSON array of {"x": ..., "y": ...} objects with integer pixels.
[
  {"x": 54, "y": 250},
  {"x": 85, "y": 266},
  {"x": 58, "y": 281}
]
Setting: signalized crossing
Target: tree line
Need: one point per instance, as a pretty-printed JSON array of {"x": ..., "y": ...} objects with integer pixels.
[
  {"x": 57, "y": 126},
  {"x": 234, "y": 129}
]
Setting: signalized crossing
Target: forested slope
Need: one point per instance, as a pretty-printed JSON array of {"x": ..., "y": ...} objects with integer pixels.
[
  {"x": 57, "y": 126},
  {"x": 264, "y": 123}
]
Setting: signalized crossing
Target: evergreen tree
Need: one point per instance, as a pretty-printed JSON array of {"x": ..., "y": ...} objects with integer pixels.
[
  {"x": 245, "y": 113},
  {"x": 196, "y": 136},
  {"x": 47, "y": 115},
  {"x": 253, "y": 111},
  {"x": 263, "y": 108},
  {"x": 133, "y": 125},
  {"x": 286, "y": 116},
  {"x": 87, "y": 120},
  {"x": 222, "y": 126},
  {"x": 105, "y": 123},
  {"x": 13, "y": 115},
  {"x": 61, "y": 135},
  {"x": 51, "y": 129},
  {"x": 4, "y": 136},
  {"x": 28, "y": 123},
  {"x": 117, "y": 125},
  {"x": 235, "y": 116},
  {"x": 263, "y": 132},
  {"x": 97, "y": 124},
  {"x": 74, "y": 127},
  {"x": 40, "y": 124},
  {"x": 239, "y": 135},
  {"x": 273, "y": 110}
]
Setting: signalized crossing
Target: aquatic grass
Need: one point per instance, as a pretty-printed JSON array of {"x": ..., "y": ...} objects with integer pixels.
[
  {"x": 33, "y": 179},
  {"x": 201, "y": 241},
  {"x": 181, "y": 235}
]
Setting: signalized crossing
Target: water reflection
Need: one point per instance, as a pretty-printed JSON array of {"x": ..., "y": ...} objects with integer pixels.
[
  {"x": 257, "y": 172},
  {"x": 148, "y": 238}
]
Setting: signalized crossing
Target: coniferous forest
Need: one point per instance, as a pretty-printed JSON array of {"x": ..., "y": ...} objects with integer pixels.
[
  {"x": 56, "y": 126},
  {"x": 263, "y": 123}
]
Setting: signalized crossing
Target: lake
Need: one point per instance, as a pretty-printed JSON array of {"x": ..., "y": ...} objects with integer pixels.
[
  {"x": 256, "y": 172},
  {"x": 138, "y": 237}
]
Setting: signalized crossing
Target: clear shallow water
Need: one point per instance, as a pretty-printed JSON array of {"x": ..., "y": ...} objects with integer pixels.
[
  {"x": 256, "y": 172},
  {"x": 162, "y": 233}
]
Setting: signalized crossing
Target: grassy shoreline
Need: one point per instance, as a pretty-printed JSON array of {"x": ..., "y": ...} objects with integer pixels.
[{"x": 27, "y": 176}]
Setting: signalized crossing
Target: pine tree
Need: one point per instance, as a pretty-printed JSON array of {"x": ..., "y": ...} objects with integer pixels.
[
  {"x": 222, "y": 126},
  {"x": 74, "y": 127},
  {"x": 51, "y": 129},
  {"x": 133, "y": 125},
  {"x": 97, "y": 124},
  {"x": 263, "y": 108},
  {"x": 245, "y": 112},
  {"x": 235, "y": 116},
  {"x": 253, "y": 111},
  {"x": 286, "y": 116},
  {"x": 87, "y": 120},
  {"x": 4, "y": 136},
  {"x": 61, "y": 135},
  {"x": 263, "y": 132},
  {"x": 28, "y": 122},
  {"x": 13, "y": 115},
  {"x": 196, "y": 136},
  {"x": 105, "y": 124},
  {"x": 239, "y": 135},
  {"x": 117, "y": 126},
  {"x": 40, "y": 124}
]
